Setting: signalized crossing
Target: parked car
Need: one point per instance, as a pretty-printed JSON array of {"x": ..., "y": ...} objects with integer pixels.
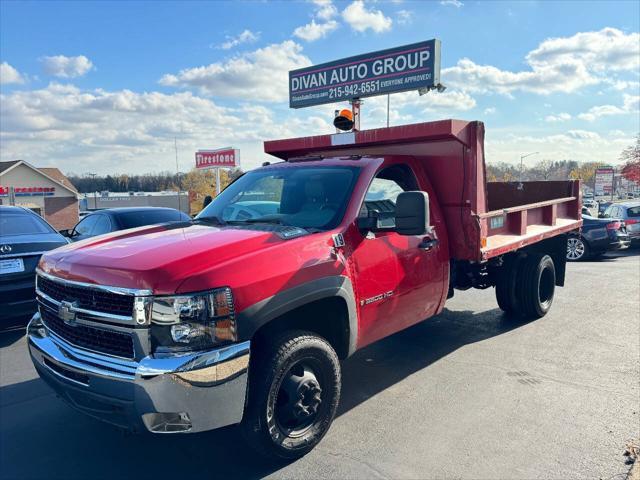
[
  {"x": 629, "y": 213},
  {"x": 602, "y": 206},
  {"x": 115, "y": 219},
  {"x": 24, "y": 237},
  {"x": 596, "y": 237},
  {"x": 176, "y": 330},
  {"x": 589, "y": 203}
]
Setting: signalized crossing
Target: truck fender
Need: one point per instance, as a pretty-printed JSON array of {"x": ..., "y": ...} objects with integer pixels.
[{"x": 259, "y": 314}]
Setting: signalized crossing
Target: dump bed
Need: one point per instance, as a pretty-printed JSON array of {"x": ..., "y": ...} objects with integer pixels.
[{"x": 484, "y": 219}]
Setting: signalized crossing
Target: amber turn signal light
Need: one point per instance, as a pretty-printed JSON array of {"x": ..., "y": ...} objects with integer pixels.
[{"x": 344, "y": 120}]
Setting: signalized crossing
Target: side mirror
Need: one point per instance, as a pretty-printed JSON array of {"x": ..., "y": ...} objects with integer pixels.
[
  {"x": 207, "y": 200},
  {"x": 412, "y": 213},
  {"x": 368, "y": 223}
]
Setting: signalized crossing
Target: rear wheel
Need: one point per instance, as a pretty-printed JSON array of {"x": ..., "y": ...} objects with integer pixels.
[
  {"x": 577, "y": 249},
  {"x": 294, "y": 392},
  {"x": 536, "y": 285},
  {"x": 506, "y": 287}
]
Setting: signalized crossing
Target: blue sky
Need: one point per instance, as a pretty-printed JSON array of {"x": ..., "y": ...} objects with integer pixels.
[{"x": 106, "y": 86}]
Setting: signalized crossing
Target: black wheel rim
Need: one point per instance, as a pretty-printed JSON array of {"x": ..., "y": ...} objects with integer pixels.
[{"x": 299, "y": 399}]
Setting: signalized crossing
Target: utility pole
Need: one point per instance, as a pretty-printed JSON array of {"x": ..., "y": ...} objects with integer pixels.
[
  {"x": 388, "y": 101},
  {"x": 522, "y": 157},
  {"x": 93, "y": 187},
  {"x": 175, "y": 146}
]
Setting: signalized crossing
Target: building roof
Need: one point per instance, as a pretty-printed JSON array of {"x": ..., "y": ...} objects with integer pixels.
[
  {"x": 56, "y": 174},
  {"x": 7, "y": 165},
  {"x": 52, "y": 174}
]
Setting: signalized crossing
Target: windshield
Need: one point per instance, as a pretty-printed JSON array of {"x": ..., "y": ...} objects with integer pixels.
[
  {"x": 22, "y": 224},
  {"x": 306, "y": 197},
  {"x": 150, "y": 217}
]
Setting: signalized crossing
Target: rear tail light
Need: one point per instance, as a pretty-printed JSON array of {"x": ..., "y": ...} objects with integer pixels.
[
  {"x": 632, "y": 222},
  {"x": 614, "y": 225}
]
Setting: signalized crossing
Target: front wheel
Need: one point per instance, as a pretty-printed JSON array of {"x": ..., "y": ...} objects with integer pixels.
[{"x": 294, "y": 392}]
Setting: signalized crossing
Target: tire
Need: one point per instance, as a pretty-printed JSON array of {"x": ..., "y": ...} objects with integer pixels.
[
  {"x": 294, "y": 391},
  {"x": 506, "y": 287},
  {"x": 536, "y": 286},
  {"x": 577, "y": 249}
]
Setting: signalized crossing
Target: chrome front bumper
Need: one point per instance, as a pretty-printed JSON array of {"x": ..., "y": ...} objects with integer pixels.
[{"x": 187, "y": 393}]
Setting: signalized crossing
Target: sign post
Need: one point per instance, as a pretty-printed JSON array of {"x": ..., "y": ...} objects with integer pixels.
[
  {"x": 604, "y": 181},
  {"x": 400, "y": 69},
  {"x": 216, "y": 159}
]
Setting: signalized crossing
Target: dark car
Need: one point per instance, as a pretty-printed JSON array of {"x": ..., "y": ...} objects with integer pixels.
[
  {"x": 629, "y": 213},
  {"x": 596, "y": 237},
  {"x": 24, "y": 237},
  {"x": 114, "y": 219},
  {"x": 602, "y": 206}
]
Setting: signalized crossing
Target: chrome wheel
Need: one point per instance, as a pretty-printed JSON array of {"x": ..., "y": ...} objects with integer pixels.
[{"x": 575, "y": 248}]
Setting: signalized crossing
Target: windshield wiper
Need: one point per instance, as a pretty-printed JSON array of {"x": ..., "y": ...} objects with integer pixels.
[
  {"x": 209, "y": 220},
  {"x": 265, "y": 219}
]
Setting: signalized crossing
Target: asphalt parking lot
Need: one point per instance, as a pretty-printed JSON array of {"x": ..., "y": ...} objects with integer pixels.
[{"x": 467, "y": 394}]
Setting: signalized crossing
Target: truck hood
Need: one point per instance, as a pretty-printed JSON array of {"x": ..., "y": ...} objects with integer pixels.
[{"x": 157, "y": 258}]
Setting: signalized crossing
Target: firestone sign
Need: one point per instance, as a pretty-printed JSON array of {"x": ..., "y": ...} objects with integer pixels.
[
  {"x": 410, "y": 67},
  {"x": 224, "y": 157}
]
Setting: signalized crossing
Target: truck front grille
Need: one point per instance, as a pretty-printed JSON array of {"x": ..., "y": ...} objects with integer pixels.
[
  {"x": 88, "y": 298},
  {"x": 97, "y": 339}
]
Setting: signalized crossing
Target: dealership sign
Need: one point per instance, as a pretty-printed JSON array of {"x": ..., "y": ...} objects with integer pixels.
[
  {"x": 224, "y": 157},
  {"x": 604, "y": 181},
  {"x": 28, "y": 191},
  {"x": 410, "y": 67}
]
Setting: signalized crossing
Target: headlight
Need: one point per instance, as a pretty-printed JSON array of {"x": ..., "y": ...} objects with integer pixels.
[{"x": 192, "y": 322}]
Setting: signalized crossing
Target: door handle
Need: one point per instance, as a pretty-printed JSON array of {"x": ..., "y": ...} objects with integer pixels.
[{"x": 428, "y": 243}]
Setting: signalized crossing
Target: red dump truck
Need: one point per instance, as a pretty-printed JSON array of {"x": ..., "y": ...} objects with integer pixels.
[{"x": 243, "y": 314}]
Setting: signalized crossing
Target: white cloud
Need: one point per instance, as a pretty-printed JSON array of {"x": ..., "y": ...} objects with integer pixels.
[
  {"x": 131, "y": 132},
  {"x": 315, "y": 31},
  {"x": 246, "y": 36},
  {"x": 488, "y": 79},
  {"x": 8, "y": 74},
  {"x": 489, "y": 110},
  {"x": 312, "y": 31},
  {"x": 261, "y": 75},
  {"x": 326, "y": 9},
  {"x": 561, "y": 117},
  {"x": 453, "y": 3},
  {"x": 625, "y": 84},
  {"x": 607, "y": 49},
  {"x": 404, "y": 17},
  {"x": 450, "y": 100},
  {"x": 361, "y": 19},
  {"x": 580, "y": 145},
  {"x": 447, "y": 101},
  {"x": 564, "y": 64},
  {"x": 631, "y": 104},
  {"x": 66, "y": 67}
]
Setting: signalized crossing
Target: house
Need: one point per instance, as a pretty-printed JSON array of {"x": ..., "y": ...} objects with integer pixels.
[{"x": 46, "y": 191}]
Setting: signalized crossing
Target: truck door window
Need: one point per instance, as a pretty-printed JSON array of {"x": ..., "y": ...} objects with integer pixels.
[{"x": 384, "y": 190}]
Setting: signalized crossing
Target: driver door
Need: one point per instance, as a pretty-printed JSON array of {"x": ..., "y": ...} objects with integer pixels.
[{"x": 398, "y": 283}]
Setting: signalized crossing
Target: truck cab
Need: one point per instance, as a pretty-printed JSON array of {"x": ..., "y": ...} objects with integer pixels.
[{"x": 244, "y": 314}]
